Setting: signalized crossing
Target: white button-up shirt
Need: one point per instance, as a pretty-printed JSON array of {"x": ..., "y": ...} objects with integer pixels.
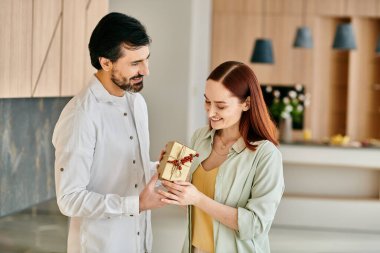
[{"x": 102, "y": 164}]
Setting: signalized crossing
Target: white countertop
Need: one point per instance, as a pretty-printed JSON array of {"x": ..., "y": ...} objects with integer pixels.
[{"x": 327, "y": 155}]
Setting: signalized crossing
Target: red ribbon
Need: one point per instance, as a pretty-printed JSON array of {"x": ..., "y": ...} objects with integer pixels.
[{"x": 179, "y": 162}]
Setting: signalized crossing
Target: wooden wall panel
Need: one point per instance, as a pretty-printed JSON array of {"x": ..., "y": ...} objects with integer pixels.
[
  {"x": 46, "y": 63},
  {"x": 95, "y": 10},
  {"x": 73, "y": 45},
  {"x": 16, "y": 48},
  {"x": 233, "y": 38},
  {"x": 364, "y": 8},
  {"x": 284, "y": 7},
  {"x": 364, "y": 69},
  {"x": 237, "y": 6},
  {"x": 250, "y": 6},
  {"x": 330, "y": 85},
  {"x": 330, "y": 7},
  {"x": 323, "y": 35},
  {"x": 44, "y": 46},
  {"x": 5, "y": 35},
  {"x": 48, "y": 83},
  {"x": 80, "y": 18}
]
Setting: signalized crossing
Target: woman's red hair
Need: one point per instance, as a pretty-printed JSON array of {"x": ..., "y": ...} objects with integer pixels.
[{"x": 256, "y": 123}]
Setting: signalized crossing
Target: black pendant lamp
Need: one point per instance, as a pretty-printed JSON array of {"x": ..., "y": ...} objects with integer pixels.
[
  {"x": 344, "y": 37},
  {"x": 303, "y": 37},
  {"x": 263, "y": 49},
  {"x": 378, "y": 46}
]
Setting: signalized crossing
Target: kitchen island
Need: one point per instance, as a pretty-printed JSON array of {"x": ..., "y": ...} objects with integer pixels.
[{"x": 330, "y": 187}]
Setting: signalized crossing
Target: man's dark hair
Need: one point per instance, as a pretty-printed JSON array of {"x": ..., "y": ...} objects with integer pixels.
[{"x": 112, "y": 32}]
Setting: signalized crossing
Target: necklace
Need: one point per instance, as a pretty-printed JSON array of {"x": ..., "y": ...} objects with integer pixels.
[
  {"x": 224, "y": 145},
  {"x": 216, "y": 152}
]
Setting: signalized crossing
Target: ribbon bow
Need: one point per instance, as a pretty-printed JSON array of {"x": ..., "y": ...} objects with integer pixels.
[{"x": 179, "y": 162}]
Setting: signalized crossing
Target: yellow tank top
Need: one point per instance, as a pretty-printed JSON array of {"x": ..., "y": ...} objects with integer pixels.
[{"x": 202, "y": 231}]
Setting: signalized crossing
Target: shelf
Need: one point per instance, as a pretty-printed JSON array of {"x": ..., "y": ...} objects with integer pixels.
[
  {"x": 329, "y": 213},
  {"x": 360, "y": 158},
  {"x": 326, "y": 187}
]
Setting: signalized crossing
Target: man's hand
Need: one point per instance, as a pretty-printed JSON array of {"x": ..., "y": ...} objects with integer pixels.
[{"x": 149, "y": 197}]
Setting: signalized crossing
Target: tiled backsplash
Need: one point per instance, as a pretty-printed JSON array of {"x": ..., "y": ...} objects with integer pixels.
[{"x": 26, "y": 152}]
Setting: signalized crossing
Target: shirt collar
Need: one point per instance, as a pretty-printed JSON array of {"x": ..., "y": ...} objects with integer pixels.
[
  {"x": 101, "y": 94},
  {"x": 238, "y": 146}
]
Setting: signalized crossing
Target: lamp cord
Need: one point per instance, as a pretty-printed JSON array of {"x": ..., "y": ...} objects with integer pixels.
[
  {"x": 263, "y": 7},
  {"x": 304, "y": 8}
]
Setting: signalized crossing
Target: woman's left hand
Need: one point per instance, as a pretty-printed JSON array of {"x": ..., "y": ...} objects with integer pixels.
[{"x": 180, "y": 193}]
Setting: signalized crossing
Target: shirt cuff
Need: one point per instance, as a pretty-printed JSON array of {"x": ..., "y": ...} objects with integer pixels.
[
  {"x": 246, "y": 224},
  {"x": 131, "y": 205},
  {"x": 153, "y": 166}
]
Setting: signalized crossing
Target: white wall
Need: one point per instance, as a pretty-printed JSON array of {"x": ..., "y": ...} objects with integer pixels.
[{"x": 179, "y": 65}]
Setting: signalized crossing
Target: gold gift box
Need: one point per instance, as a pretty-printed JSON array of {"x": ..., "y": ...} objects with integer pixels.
[{"x": 175, "y": 164}]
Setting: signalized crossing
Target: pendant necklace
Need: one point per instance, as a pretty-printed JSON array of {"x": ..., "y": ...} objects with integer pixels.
[
  {"x": 216, "y": 152},
  {"x": 224, "y": 145}
]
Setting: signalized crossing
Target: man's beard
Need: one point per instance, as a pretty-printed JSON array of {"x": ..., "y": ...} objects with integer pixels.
[{"x": 126, "y": 85}]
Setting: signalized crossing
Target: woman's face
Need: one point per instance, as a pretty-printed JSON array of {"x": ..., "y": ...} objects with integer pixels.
[{"x": 223, "y": 108}]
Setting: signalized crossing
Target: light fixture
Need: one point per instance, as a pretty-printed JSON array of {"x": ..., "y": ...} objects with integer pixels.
[
  {"x": 344, "y": 37},
  {"x": 303, "y": 38},
  {"x": 378, "y": 39},
  {"x": 378, "y": 46},
  {"x": 263, "y": 50}
]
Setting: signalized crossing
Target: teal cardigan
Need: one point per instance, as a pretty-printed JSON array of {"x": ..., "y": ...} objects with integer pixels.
[{"x": 250, "y": 181}]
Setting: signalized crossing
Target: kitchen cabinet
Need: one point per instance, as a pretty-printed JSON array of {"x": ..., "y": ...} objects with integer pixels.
[
  {"x": 16, "y": 48},
  {"x": 330, "y": 187},
  {"x": 46, "y": 49},
  {"x": 79, "y": 19},
  {"x": 44, "y": 46}
]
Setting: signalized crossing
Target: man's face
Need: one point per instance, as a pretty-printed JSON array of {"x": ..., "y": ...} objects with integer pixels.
[{"x": 128, "y": 71}]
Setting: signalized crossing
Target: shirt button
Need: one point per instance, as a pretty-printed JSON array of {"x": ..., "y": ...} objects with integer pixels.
[
  {"x": 125, "y": 114},
  {"x": 134, "y": 161},
  {"x": 138, "y": 233},
  {"x": 61, "y": 169},
  {"x": 131, "y": 215},
  {"x": 136, "y": 185},
  {"x": 131, "y": 137}
]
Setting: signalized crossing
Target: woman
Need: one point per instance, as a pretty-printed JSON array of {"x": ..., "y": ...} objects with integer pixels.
[{"x": 238, "y": 180}]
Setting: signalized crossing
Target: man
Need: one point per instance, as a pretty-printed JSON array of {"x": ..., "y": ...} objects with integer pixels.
[{"x": 103, "y": 172}]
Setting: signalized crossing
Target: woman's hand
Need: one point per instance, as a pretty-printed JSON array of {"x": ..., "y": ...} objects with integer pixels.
[{"x": 180, "y": 193}]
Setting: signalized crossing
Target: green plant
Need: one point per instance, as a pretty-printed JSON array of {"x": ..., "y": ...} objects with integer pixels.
[{"x": 286, "y": 102}]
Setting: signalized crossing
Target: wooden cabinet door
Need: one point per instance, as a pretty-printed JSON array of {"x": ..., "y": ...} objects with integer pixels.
[
  {"x": 46, "y": 60},
  {"x": 94, "y": 12},
  {"x": 79, "y": 19},
  {"x": 15, "y": 49}
]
